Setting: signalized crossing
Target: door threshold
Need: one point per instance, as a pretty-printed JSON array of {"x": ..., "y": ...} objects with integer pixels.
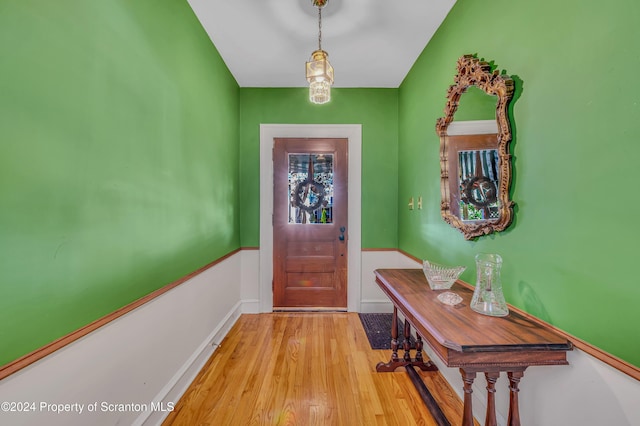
[{"x": 308, "y": 309}]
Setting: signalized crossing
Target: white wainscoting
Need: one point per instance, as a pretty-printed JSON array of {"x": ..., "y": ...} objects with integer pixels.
[
  {"x": 153, "y": 353},
  {"x": 373, "y": 299}
]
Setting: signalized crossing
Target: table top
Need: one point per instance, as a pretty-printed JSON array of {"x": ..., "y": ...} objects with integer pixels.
[{"x": 458, "y": 328}]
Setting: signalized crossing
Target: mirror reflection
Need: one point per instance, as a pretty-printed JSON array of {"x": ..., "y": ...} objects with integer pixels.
[
  {"x": 475, "y": 104},
  {"x": 478, "y": 183}
]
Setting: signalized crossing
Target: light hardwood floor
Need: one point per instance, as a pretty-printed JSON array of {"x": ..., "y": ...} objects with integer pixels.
[{"x": 305, "y": 369}]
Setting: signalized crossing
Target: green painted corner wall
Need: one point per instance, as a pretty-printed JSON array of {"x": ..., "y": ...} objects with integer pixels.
[
  {"x": 375, "y": 109},
  {"x": 569, "y": 255},
  {"x": 118, "y": 160}
]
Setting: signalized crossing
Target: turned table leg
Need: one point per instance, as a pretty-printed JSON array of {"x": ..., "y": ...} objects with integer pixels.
[
  {"x": 467, "y": 377},
  {"x": 407, "y": 341},
  {"x": 395, "y": 361},
  {"x": 490, "y": 419},
  {"x": 418, "y": 348},
  {"x": 394, "y": 335},
  {"x": 514, "y": 410}
]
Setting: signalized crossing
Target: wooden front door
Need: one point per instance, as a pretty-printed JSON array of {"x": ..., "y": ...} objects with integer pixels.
[{"x": 310, "y": 224}]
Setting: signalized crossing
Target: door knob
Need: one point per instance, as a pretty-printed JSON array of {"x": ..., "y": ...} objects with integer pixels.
[{"x": 341, "y": 236}]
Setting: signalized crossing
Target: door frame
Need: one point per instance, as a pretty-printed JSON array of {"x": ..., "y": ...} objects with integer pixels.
[{"x": 353, "y": 132}]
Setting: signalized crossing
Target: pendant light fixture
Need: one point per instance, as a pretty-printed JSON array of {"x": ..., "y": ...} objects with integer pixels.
[{"x": 319, "y": 70}]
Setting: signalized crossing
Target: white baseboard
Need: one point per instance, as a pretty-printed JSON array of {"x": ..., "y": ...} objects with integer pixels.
[
  {"x": 251, "y": 306},
  {"x": 371, "y": 306}
]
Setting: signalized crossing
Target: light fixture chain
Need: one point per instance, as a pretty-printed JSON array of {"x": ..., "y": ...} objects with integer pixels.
[{"x": 319, "y": 28}]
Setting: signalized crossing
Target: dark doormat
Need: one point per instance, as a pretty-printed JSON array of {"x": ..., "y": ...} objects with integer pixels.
[{"x": 378, "y": 329}]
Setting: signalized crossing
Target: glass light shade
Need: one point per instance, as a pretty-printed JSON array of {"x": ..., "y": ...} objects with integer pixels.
[
  {"x": 319, "y": 92},
  {"x": 320, "y": 77}
]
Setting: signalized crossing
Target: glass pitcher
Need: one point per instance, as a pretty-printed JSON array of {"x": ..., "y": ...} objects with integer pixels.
[{"x": 487, "y": 297}]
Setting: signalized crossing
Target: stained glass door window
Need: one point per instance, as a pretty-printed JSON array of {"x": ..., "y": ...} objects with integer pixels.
[{"x": 310, "y": 188}]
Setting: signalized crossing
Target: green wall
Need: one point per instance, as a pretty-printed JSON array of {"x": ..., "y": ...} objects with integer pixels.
[
  {"x": 569, "y": 255},
  {"x": 129, "y": 157},
  {"x": 375, "y": 109},
  {"x": 118, "y": 159}
]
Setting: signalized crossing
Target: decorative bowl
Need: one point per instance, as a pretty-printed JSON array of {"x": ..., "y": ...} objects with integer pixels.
[
  {"x": 449, "y": 298},
  {"x": 441, "y": 277}
]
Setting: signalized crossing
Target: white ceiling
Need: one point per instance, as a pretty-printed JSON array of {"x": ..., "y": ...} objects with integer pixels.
[{"x": 371, "y": 43}]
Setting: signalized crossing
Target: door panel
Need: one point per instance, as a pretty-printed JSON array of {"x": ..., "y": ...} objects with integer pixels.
[
  {"x": 314, "y": 264},
  {"x": 310, "y": 224}
]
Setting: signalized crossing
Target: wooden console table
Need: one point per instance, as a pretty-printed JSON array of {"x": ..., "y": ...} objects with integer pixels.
[{"x": 465, "y": 339}]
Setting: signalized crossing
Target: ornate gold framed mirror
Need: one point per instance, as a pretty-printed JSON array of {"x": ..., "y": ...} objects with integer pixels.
[{"x": 475, "y": 163}]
